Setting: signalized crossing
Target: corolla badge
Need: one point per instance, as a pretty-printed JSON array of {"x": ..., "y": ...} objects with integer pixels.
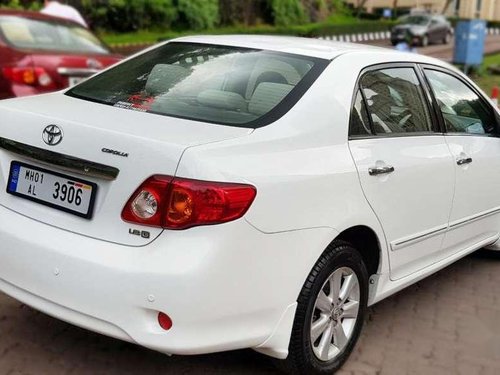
[{"x": 52, "y": 135}]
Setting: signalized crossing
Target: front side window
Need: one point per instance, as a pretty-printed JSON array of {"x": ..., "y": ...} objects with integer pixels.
[
  {"x": 218, "y": 84},
  {"x": 395, "y": 101},
  {"x": 41, "y": 35},
  {"x": 462, "y": 109}
]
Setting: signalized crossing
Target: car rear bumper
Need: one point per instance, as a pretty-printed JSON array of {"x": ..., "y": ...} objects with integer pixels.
[{"x": 225, "y": 287}]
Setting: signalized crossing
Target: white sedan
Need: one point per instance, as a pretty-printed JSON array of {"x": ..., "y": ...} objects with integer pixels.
[{"x": 225, "y": 192}]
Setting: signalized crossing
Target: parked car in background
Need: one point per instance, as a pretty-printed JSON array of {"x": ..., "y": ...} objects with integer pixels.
[
  {"x": 40, "y": 53},
  {"x": 226, "y": 192},
  {"x": 423, "y": 29}
]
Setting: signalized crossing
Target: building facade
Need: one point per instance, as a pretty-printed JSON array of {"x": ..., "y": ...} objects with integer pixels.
[{"x": 485, "y": 9}]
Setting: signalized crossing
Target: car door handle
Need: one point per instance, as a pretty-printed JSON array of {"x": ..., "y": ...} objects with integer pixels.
[
  {"x": 463, "y": 161},
  {"x": 374, "y": 171}
]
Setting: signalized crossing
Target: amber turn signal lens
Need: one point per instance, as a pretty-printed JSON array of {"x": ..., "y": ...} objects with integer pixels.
[
  {"x": 29, "y": 76},
  {"x": 181, "y": 206}
]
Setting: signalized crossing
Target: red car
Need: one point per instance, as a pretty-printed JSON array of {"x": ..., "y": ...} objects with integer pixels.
[{"x": 40, "y": 53}]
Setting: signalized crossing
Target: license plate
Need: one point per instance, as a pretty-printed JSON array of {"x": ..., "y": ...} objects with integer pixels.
[
  {"x": 75, "y": 80},
  {"x": 52, "y": 189}
]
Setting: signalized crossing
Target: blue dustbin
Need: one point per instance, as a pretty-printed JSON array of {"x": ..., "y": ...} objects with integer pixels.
[{"x": 469, "y": 42}]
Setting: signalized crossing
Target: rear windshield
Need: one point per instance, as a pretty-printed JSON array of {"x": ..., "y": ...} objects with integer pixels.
[
  {"x": 216, "y": 84},
  {"x": 24, "y": 33}
]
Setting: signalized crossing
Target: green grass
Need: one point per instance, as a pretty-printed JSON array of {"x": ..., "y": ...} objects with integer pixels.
[
  {"x": 492, "y": 60},
  {"x": 483, "y": 78},
  {"x": 335, "y": 25},
  {"x": 141, "y": 36}
]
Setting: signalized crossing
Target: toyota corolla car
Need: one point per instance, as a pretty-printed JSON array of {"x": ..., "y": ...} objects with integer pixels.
[
  {"x": 40, "y": 53},
  {"x": 225, "y": 192},
  {"x": 422, "y": 29}
]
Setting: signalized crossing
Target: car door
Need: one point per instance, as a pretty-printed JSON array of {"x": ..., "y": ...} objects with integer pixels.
[
  {"x": 404, "y": 164},
  {"x": 473, "y": 138}
]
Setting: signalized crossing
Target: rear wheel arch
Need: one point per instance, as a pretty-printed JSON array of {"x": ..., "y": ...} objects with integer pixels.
[
  {"x": 338, "y": 256},
  {"x": 365, "y": 240}
]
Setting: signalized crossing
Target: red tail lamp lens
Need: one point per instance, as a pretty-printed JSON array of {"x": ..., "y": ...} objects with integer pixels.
[
  {"x": 28, "y": 76},
  {"x": 164, "y": 321},
  {"x": 180, "y": 203}
]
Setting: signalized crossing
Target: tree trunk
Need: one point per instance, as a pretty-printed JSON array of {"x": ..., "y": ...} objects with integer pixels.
[
  {"x": 361, "y": 5},
  {"x": 395, "y": 8},
  {"x": 446, "y": 5}
]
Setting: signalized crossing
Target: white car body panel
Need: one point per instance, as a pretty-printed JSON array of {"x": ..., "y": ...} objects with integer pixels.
[
  {"x": 235, "y": 285},
  {"x": 476, "y": 204},
  {"x": 414, "y": 223},
  {"x": 190, "y": 275},
  {"x": 108, "y": 127}
]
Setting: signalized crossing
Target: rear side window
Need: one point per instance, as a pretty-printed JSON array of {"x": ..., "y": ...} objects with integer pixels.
[
  {"x": 41, "y": 35},
  {"x": 462, "y": 109},
  {"x": 360, "y": 124},
  {"x": 395, "y": 101},
  {"x": 217, "y": 84}
]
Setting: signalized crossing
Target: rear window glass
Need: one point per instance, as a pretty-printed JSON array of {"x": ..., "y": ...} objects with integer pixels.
[
  {"x": 217, "y": 84},
  {"x": 415, "y": 20},
  {"x": 40, "y": 35}
]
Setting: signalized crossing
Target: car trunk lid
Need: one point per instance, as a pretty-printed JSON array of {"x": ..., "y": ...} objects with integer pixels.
[
  {"x": 69, "y": 69},
  {"x": 133, "y": 144}
]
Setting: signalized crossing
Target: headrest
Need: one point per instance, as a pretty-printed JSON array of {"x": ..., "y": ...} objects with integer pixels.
[
  {"x": 222, "y": 99},
  {"x": 268, "y": 95},
  {"x": 163, "y": 77}
]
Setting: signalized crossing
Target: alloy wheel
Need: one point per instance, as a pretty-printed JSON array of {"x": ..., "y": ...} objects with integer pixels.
[{"x": 335, "y": 314}]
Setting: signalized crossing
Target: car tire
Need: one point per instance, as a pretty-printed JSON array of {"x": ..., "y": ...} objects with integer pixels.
[
  {"x": 447, "y": 38},
  {"x": 425, "y": 41},
  {"x": 327, "y": 352}
]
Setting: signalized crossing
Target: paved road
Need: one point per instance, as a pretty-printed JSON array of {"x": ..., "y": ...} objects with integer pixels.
[
  {"x": 445, "y": 52},
  {"x": 439, "y": 50},
  {"x": 446, "y": 324}
]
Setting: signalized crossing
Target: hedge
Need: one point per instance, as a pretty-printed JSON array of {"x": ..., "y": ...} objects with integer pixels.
[{"x": 307, "y": 30}]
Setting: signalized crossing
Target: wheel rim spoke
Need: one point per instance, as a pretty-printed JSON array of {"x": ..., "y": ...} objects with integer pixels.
[
  {"x": 326, "y": 342},
  {"x": 349, "y": 283},
  {"x": 323, "y": 302},
  {"x": 319, "y": 327},
  {"x": 339, "y": 336},
  {"x": 351, "y": 309},
  {"x": 335, "y": 282}
]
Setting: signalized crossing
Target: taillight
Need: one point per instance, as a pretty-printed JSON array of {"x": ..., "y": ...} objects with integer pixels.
[
  {"x": 179, "y": 203},
  {"x": 28, "y": 76}
]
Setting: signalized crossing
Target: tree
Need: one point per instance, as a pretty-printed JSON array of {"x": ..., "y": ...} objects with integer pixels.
[
  {"x": 246, "y": 12},
  {"x": 316, "y": 10},
  {"x": 199, "y": 14},
  {"x": 361, "y": 5},
  {"x": 395, "y": 8},
  {"x": 288, "y": 12}
]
